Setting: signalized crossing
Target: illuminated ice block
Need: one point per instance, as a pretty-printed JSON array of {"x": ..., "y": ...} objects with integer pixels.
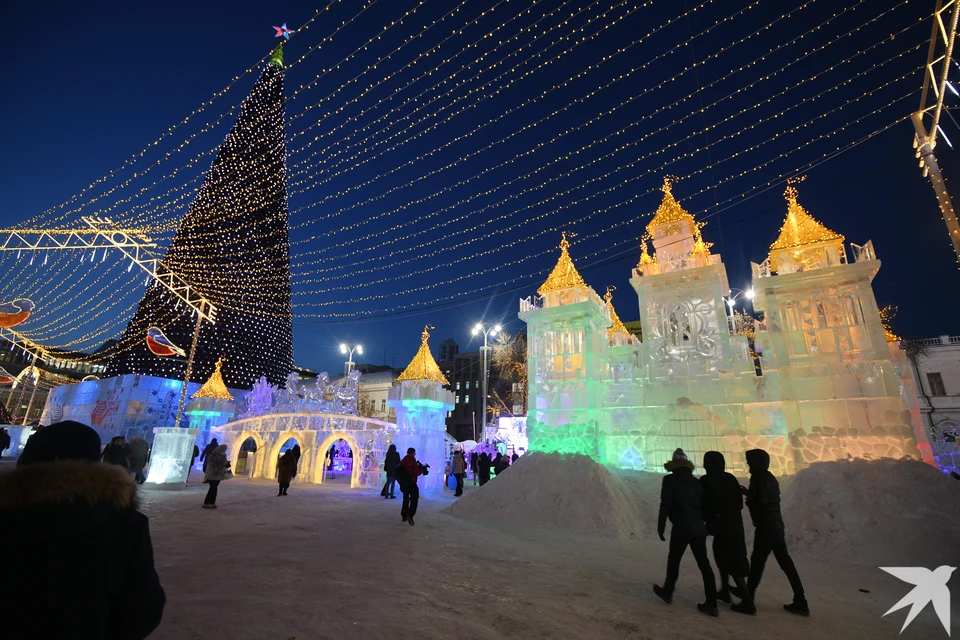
[{"x": 170, "y": 459}]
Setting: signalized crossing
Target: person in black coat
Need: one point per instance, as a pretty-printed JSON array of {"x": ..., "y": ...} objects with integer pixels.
[
  {"x": 483, "y": 468},
  {"x": 85, "y": 569},
  {"x": 763, "y": 500},
  {"x": 722, "y": 506},
  {"x": 681, "y": 500},
  {"x": 390, "y": 464},
  {"x": 117, "y": 453},
  {"x": 474, "y": 460},
  {"x": 500, "y": 464},
  {"x": 212, "y": 446},
  {"x": 4, "y": 441}
]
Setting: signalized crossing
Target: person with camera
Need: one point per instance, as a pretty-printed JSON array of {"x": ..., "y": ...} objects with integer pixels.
[{"x": 406, "y": 474}]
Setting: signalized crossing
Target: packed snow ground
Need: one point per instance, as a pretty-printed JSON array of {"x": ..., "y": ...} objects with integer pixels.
[{"x": 330, "y": 562}]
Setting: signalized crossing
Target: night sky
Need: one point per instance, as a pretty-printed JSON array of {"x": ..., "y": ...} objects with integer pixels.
[{"x": 448, "y": 210}]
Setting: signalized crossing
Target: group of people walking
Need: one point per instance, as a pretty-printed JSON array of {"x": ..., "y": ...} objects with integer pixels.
[
  {"x": 132, "y": 456},
  {"x": 712, "y": 506}
]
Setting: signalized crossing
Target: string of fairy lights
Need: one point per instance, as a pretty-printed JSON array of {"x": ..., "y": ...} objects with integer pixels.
[{"x": 460, "y": 129}]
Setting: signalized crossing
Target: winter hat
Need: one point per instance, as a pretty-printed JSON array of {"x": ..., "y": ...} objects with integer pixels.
[
  {"x": 678, "y": 461},
  {"x": 62, "y": 441}
]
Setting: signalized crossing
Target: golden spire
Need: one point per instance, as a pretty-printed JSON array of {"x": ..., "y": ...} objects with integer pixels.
[
  {"x": 645, "y": 257},
  {"x": 669, "y": 210},
  {"x": 564, "y": 275},
  {"x": 423, "y": 366},
  {"x": 800, "y": 229},
  {"x": 214, "y": 386},
  {"x": 617, "y": 324}
]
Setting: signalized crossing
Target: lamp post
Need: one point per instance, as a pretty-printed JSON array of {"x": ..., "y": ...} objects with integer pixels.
[
  {"x": 487, "y": 330},
  {"x": 731, "y": 301},
  {"x": 348, "y": 365}
]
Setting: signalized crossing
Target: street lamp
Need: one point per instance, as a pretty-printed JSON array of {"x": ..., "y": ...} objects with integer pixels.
[
  {"x": 488, "y": 330},
  {"x": 348, "y": 365},
  {"x": 731, "y": 301}
]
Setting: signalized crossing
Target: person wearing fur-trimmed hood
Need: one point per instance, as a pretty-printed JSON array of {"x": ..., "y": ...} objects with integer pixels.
[
  {"x": 85, "y": 568},
  {"x": 681, "y": 501}
]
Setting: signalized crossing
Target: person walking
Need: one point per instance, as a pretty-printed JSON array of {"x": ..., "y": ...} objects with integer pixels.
[
  {"x": 286, "y": 471},
  {"x": 296, "y": 453},
  {"x": 390, "y": 464},
  {"x": 459, "y": 470},
  {"x": 681, "y": 501},
  {"x": 215, "y": 470},
  {"x": 138, "y": 458},
  {"x": 474, "y": 457},
  {"x": 78, "y": 559},
  {"x": 407, "y": 473},
  {"x": 483, "y": 468},
  {"x": 722, "y": 507},
  {"x": 207, "y": 450},
  {"x": 763, "y": 501}
]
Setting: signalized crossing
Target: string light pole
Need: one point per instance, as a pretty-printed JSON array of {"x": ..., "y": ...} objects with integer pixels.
[
  {"x": 488, "y": 331},
  {"x": 345, "y": 349},
  {"x": 731, "y": 301}
]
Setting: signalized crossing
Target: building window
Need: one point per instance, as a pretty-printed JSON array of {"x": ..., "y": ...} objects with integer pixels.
[
  {"x": 936, "y": 384},
  {"x": 458, "y": 385},
  {"x": 465, "y": 399},
  {"x": 383, "y": 405},
  {"x": 468, "y": 385}
]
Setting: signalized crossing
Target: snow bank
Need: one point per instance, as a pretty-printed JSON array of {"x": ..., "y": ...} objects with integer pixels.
[
  {"x": 567, "y": 493},
  {"x": 873, "y": 512}
]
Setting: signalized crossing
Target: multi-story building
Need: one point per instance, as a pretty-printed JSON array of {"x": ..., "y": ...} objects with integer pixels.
[
  {"x": 935, "y": 365},
  {"x": 375, "y": 384},
  {"x": 465, "y": 373}
]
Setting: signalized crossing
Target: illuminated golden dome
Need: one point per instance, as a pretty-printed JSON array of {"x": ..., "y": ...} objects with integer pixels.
[
  {"x": 617, "y": 324},
  {"x": 669, "y": 210},
  {"x": 800, "y": 229},
  {"x": 214, "y": 386},
  {"x": 564, "y": 275},
  {"x": 423, "y": 366}
]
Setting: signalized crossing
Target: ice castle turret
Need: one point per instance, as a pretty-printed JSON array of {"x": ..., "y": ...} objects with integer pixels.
[
  {"x": 421, "y": 404},
  {"x": 567, "y": 361}
]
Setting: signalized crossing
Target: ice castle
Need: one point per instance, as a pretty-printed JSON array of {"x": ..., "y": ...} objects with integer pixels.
[{"x": 825, "y": 381}]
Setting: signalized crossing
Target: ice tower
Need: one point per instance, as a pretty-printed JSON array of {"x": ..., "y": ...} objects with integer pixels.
[
  {"x": 824, "y": 343},
  {"x": 566, "y": 360},
  {"x": 421, "y": 404}
]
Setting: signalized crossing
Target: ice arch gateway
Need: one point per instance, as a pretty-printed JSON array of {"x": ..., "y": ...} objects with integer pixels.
[
  {"x": 817, "y": 378},
  {"x": 315, "y": 433}
]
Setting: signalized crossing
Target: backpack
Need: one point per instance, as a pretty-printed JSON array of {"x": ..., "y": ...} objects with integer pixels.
[{"x": 402, "y": 476}]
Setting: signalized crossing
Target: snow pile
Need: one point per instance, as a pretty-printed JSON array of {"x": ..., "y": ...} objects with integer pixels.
[
  {"x": 567, "y": 493},
  {"x": 873, "y": 512}
]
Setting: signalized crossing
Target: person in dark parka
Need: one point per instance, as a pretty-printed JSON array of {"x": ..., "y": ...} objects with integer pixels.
[
  {"x": 85, "y": 567},
  {"x": 207, "y": 450},
  {"x": 286, "y": 471},
  {"x": 139, "y": 448},
  {"x": 500, "y": 464},
  {"x": 193, "y": 459},
  {"x": 390, "y": 464},
  {"x": 4, "y": 441},
  {"x": 722, "y": 506},
  {"x": 483, "y": 468},
  {"x": 681, "y": 500},
  {"x": 763, "y": 500},
  {"x": 118, "y": 453}
]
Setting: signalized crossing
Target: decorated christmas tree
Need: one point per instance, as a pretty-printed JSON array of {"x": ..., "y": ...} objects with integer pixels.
[{"x": 233, "y": 246}]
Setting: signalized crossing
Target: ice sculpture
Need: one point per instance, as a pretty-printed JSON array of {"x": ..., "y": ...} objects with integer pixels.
[{"x": 827, "y": 387}]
